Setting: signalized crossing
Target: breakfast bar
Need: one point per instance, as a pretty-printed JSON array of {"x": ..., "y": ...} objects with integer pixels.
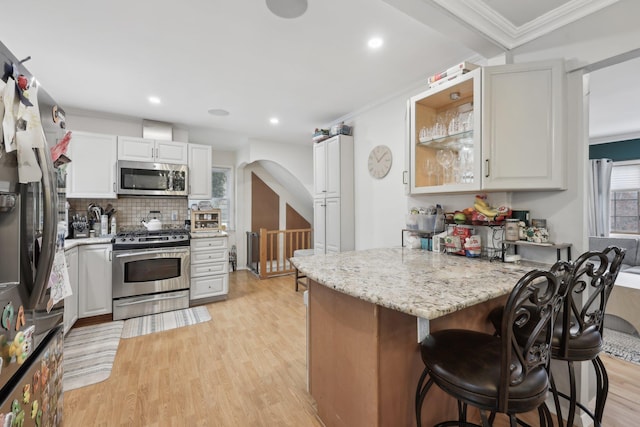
[{"x": 368, "y": 311}]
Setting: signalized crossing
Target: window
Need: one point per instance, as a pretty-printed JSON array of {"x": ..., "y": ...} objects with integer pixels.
[
  {"x": 625, "y": 197},
  {"x": 222, "y": 193}
]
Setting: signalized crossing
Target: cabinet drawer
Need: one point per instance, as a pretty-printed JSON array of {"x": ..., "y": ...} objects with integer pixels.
[
  {"x": 203, "y": 244},
  {"x": 209, "y": 286},
  {"x": 199, "y": 257},
  {"x": 209, "y": 268}
]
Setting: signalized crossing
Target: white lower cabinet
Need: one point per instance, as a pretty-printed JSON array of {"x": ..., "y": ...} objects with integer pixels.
[
  {"x": 209, "y": 269},
  {"x": 94, "y": 280},
  {"x": 71, "y": 302}
]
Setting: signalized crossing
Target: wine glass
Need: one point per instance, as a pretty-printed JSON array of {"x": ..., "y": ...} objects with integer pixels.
[
  {"x": 423, "y": 135},
  {"x": 445, "y": 158},
  {"x": 466, "y": 160},
  {"x": 430, "y": 167}
]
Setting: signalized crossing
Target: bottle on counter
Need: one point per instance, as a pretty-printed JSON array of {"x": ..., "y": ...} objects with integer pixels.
[
  {"x": 114, "y": 227},
  {"x": 104, "y": 225}
]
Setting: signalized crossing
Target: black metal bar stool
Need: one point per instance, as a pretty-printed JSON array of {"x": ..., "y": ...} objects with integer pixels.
[
  {"x": 505, "y": 374},
  {"x": 580, "y": 338},
  {"x": 577, "y": 336}
]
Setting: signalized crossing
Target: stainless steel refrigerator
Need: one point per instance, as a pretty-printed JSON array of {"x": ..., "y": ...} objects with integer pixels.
[{"x": 31, "y": 340}]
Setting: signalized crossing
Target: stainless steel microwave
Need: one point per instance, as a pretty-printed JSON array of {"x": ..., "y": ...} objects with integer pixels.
[{"x": 152, "y": 179}]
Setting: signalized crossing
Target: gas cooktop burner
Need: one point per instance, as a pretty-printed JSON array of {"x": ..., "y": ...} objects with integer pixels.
[{"x": 141, "y": 238}]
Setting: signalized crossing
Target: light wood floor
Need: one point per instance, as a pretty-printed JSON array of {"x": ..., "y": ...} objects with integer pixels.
[{"x": 244, "y": 367}]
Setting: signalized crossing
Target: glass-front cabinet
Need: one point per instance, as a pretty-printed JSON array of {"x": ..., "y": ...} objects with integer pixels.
[
  {"x": 445, "y": 136},
  {"x": 498, "y": 128}
]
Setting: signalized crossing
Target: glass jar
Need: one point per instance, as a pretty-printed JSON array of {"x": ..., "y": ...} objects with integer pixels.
[{"x": 511, "y": 230}]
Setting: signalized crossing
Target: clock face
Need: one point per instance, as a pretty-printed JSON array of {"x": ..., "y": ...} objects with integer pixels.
[{"x": 380, "y": 159}]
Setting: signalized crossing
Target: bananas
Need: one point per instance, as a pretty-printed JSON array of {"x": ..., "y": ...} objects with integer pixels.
[{"x": 485, "y": 210}]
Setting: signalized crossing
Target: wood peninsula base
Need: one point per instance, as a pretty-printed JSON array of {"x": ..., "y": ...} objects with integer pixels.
[{"x": 364, "y": 360}]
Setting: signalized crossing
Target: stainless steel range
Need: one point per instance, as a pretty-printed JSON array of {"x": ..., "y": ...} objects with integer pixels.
[{"x": 151, "y": 272}]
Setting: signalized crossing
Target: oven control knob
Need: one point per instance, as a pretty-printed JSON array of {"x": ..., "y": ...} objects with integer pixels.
[
  {"x": 131, "y": 239},
  {"x": 174, "y": 237}
]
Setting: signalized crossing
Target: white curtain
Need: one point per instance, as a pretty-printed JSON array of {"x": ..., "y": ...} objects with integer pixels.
[{"x": 599, "y": 186}]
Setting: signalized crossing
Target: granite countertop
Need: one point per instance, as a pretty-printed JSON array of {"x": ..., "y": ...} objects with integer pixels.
[
  {"x": 72, "y": 243},
  {"x": 417, "y": 282}
]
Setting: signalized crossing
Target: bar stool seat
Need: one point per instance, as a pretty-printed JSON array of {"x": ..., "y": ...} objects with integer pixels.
[
  {"x": 577, "y": 335},
  {"x": 475, "y": 377},
  {"x": 302, "y": 279},
  {"x": 497, "y": 373}
]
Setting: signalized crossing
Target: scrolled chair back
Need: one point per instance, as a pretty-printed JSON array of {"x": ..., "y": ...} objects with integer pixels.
[
  {"x": 527, "y": 326},
  {"x": 588, "y": 287}
]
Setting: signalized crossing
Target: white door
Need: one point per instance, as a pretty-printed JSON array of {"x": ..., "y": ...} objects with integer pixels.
[
  {"x": 332, "y": 225},
  {"x": 136, "y": 149},
  {"x": 92, "y": 171},
  {"x": 523, "y": 136},
  {"x": 333, "y": 167},
  {"x": 94, "y": 275},
  {"x": 319, "y": 212},
  {"x": 319, "y": 169},
  {"x": 199, "y": 171},
  {"x": 171, "y": 152}
]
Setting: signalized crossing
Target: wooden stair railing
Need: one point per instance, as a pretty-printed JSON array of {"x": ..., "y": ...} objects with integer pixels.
[{"x": 277, "y": 246}]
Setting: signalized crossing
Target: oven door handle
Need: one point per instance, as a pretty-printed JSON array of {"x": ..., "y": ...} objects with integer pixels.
[
  {"x": 159, "y": 251},
  {"x": 152, "y": 299}
]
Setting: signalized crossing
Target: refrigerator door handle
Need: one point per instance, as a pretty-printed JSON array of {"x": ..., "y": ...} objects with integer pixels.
[{"x": 49, "y": 204}]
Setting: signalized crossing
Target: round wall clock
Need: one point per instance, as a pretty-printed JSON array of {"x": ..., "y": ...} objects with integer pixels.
[{"x": 380, "y": 159}]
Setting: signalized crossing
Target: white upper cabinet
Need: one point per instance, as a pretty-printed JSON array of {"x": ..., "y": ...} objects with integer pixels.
[
  {"x": 92, "y": 171},
  {"x": 200, "y": 164},
  {"x": 494, "y": 128},
  {"x": 333, "y": 166},
  {"x": 523, "y": 132},
  {"x": 319, "y": 169},
  {"x": 445, "y": 136},
  {"x": 149, "y": 150}
]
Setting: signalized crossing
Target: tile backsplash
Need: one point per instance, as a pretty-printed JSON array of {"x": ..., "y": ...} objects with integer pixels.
[{"x": 131, "y": 210}]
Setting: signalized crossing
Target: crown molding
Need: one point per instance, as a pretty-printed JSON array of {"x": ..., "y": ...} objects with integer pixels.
[{"x": 502, "y": 31}]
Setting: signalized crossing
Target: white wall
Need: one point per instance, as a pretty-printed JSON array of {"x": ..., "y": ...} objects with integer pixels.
[
  {"x": 113, "y": 124},
  {"x": 380, "y": 204},
  {"x": 297, "y": 159}
]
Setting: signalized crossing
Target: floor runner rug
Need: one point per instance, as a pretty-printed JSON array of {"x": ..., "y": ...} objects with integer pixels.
[
  {"x": 164, "y": 321},
  {"x": 621, "y": 345},
  {"x": 89, "y": 353}
]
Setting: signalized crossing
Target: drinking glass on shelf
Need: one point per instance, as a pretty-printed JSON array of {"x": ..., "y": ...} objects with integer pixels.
[
  {"x": 467, "y": 123},
  {"x": 445, "y": 159},
  {"x": 431, "y": 168},
  {"x": 424, "y": 134},
  {"x": 466, "y": 164},
  {"x": 453, "y": 122}
]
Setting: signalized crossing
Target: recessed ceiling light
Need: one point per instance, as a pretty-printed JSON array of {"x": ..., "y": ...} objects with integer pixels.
[
  {"x": 274, "y": 120},
  {"x": 154, "y": 100},
  {"x": 218, "y": 112},
  {"x": 287, "y": 8},
  {"x": 375, "y": 42}
]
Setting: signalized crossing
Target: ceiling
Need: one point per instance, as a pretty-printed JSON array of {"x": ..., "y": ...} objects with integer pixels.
[{"x": 310, "y": 71}]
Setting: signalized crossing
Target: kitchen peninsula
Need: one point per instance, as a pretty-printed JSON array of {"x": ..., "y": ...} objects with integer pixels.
[{"x": 364, "y": 310}]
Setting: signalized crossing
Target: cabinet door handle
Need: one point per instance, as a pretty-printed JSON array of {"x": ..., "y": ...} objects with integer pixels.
[
  {"x": 486, "y": 168},
  {"x": 404, "y": 177}
]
